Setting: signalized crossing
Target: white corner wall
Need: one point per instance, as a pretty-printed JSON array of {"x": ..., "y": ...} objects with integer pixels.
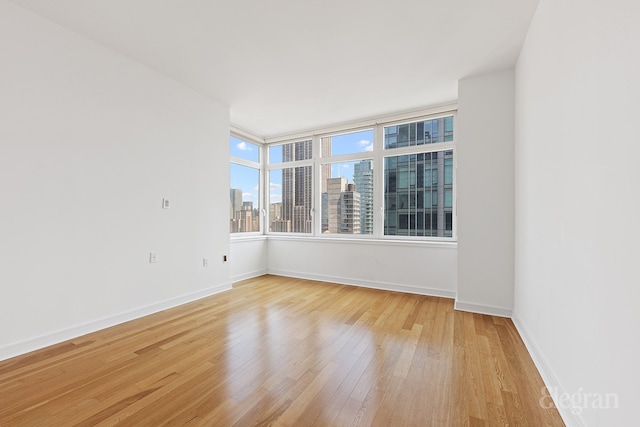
[
  {"x": 578, "y": 205},
  {"x": 90, "y": 144},
  {"x": 248, "y": 257},
  {"x": 485, "y": 193}
]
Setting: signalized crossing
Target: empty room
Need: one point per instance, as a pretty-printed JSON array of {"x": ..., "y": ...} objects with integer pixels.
[{"x": 319, "y": 213}]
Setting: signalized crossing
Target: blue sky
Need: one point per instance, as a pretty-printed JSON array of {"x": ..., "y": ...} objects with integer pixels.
[
  {"x": 244, "y": 150},
  {"x": 247, "y": 179},
  {"x": 356, "y": 142}
]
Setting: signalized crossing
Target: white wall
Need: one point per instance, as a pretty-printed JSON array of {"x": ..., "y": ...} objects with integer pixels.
[
  {"x": 485, "y": 193},
  {"x": 578, "y": 204},
  {"x": 248, "y": 257},
  {"x": 90, "y": 143},
  {"x": 416, "y": 267}
]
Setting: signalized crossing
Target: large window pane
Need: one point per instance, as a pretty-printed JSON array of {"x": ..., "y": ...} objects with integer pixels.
[
  {"x": 347, "y": 197},
  {"x": 419, "y": 194},
  {"x": 348, "y": 143},
  {"x": 244, "y": 199},
  {"x": 290, "y": 196},
  {"x": 419, "y": 133},
  {"x": 244, "y": 150}
]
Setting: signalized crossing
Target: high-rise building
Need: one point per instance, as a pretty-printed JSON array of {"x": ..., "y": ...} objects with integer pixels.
[
  {"x": 246, "y": 217},
  {"x": 235, "y": 206},
  {"x": 363, "y": 179},
  {"x": 418, "y": 191},
  {"x": 325, "y": 174},
  {"x": 280, "y": 226},
  {"x": 297, "y": 185},
  {"x": 342, "y": 208},
  {"x": 236, "y": 201},
  {"x": 335, "y": 187},
  {"x": 276, "y": 223},
  {"x": 275, "y": 211},
  {"x": 350, "y": 210}
]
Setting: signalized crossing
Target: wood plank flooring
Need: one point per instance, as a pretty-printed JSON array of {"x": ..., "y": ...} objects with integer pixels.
[{"x": 285, "y": 352}]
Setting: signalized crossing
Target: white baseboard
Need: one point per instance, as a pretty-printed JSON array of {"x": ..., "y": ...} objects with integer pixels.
[
  {"x": 483, "y": 309},
  {"x": 546, "y": 372},
  {"x": 367, "y": 283},
  {"x": 46, "y": 340},
  {"x": 249, "y": 275}
]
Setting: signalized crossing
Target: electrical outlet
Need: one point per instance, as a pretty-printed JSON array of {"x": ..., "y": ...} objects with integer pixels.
[
  {"x": 165, "y": 204},
  {"x": 153, "y": 257},
  {"x": 205, "y": 262}
]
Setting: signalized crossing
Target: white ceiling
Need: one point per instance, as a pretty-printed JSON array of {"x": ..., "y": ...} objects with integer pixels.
[{"x": 284, "y": 66}]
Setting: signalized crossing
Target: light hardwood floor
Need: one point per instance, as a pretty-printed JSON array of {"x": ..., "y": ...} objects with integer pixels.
[{"x": 285, "y": 352}]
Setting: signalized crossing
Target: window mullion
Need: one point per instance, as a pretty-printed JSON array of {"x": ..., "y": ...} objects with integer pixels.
[{"x": 378, "y": 183}]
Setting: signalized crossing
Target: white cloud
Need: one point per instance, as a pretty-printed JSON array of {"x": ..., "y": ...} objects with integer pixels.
[
  {"x": 346, "y": 166},
  {"x": 274, "y": 186},
  {"x": 275, "y": 198},
  {"x": 368, "y": 145},
  {"x": 247, "y": 195},
  {"x": 243, "y": 146}
]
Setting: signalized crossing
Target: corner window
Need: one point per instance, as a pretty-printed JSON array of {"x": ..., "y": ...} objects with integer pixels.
[
  {"x": 381, "y": 179},
  {"x": 244, "y": 192}
]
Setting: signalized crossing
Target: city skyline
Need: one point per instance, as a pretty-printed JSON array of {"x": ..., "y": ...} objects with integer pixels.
[
  {"x": 417, "y": 193},
  {"x": 246, "y": 179},
  {"x": 356, "y": 142}
]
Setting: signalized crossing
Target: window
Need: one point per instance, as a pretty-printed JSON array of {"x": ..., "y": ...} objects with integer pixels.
[
  {"x": 348, "y": 143},
  {"x": 244, "y": 207},
  {"x": 347, "y": 197},
  {"x": 418, "y": 185},
  {"x": 419, "y": 133},
  {"x": 291, "y": 188},
  {"x": 294, "y": 151},
  {"x": 395, "y": 180},
  {"x": 346, "y": 187}
]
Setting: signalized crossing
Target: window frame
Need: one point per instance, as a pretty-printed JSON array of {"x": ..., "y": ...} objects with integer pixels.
[
  {"x": 286, "y": 165},
  {"x": 377, "y": 156},
  {"x": 342, "y": 158},
  {"x": 246, "y": 137},
  {"x": 439, "y": 147}
]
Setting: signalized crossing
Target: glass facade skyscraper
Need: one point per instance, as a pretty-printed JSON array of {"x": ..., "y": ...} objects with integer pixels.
[
  {"x": 418, "y": 188},
  {"x": 363, "y": 179}
]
